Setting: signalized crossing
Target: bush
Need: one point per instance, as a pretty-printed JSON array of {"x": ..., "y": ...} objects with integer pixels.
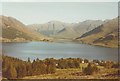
[
  {"x": 86, "y": 61},
  {"x": 96, "y": 61},
  {"x": 116, "y": 65},
  {"x": 68, "y": 63},
  {"x": 108, "y": 64},
  {"x": 90, "y": 69}
]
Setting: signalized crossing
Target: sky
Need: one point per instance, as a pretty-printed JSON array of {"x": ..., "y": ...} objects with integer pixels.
[
  {"x": 59, "y": 0},
  {"x": 71, "y": 12}
]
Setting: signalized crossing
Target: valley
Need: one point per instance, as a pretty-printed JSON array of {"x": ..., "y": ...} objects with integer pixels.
[
  {"x": 93, "y": 32},
  {"x": 59, "y": 40}
]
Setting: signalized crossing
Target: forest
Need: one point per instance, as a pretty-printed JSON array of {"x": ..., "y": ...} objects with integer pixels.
[{"x": 14, "y": 68}]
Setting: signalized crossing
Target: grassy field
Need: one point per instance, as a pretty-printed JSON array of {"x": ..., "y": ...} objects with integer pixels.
[{"x": 76, "y": 73}]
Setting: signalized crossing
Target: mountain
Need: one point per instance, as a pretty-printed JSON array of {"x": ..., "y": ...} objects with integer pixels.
[
  {"x": 50, "y": 28},
  {"x": 14, "y": 30},
  {"x": 59, "y": 29},
  {"x": 104, "y": 35},
  {"x": 79, "y": 29}
]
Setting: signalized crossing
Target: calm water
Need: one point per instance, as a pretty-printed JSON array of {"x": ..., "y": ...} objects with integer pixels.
[{"x": 58, "y": 50}]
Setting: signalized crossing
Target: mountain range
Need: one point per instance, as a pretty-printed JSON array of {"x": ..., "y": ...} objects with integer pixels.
[
  {"x": 79, "y": 29},
  {"x": 94, "y": 32},
  {"x": 51, "y": 27}
]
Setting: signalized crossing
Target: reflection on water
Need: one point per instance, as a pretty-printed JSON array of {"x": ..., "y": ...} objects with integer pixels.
[{"x": 58, "y": 50}]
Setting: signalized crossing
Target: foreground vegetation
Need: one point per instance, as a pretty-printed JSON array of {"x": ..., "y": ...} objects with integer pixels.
[
  {"x": 77, "y": 74},
  {"x": 69, "y": 68}
]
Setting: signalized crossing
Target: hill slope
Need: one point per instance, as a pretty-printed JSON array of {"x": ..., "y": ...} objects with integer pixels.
[
  {"x": 79, "y": 29},
  {"x": 14, "y": 30},
  {"x": 104, "y": 35},
  {"x": 49, "y": 28}
]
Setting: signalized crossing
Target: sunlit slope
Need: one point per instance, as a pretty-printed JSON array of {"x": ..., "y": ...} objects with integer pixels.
[
  {"x": 13, "y": 29},
  {"x": 104, "y": 35}
]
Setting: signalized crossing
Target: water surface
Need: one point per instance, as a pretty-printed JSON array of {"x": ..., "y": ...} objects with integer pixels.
[{"x": 44, "y": 50}]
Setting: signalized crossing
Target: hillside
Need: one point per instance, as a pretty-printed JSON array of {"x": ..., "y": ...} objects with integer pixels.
[
  {"x": 104, "y": 35},
  {"x": 15, "y": 31},
  {"x": 79, "y": 29},
  {"x": 50, "y": 28}
]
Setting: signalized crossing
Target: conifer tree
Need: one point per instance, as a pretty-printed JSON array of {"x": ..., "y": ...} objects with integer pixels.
[{"x": 11, "y": 72}]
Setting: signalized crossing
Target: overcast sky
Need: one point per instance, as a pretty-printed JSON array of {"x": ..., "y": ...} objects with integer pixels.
[
  {"x": 39, "y": 12},
  {"x": 59, "y": 0}
]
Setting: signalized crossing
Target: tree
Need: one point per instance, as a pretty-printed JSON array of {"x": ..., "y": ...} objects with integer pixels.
[
  {"x": 115, "y": 65},
  {"x": 108, "y": 64},
  {"x": 80, "y": 60},
  {"x": 11, "y": 72},
  {"x": 90, "y": 69},
  {"x": 51, "y": 66},
  {"x": 21, "y": 71},
  {"x": 63, "y": 64},
  {"x": 86, "y": 61},
  {"x": 96, "y": 61},
  {"x": 71, "y": 64},
  {"x": 29, "y": 60},
  {"x": 76, "y": 63},
  {"x": 29, "y": 69}
]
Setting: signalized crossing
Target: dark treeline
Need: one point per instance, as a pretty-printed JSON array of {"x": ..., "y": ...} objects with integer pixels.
[
  {"x": 14, "y": 68},
  {"x": 68, "y": 63}
]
